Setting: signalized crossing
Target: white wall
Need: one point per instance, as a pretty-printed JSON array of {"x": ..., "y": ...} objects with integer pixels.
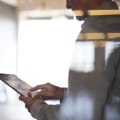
[
  {"x": 8, "y": 38},
  {"x": 8, "y": 46}
]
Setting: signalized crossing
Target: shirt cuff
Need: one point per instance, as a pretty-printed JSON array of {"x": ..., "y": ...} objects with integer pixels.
[{"x": 36, "y": 109}]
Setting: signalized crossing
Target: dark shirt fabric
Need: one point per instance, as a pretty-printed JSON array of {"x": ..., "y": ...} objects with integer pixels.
[
  {"x": 113, "y": 69},
  {"x": 94, "y": 82},
  {"x": 113, "y": 95}
]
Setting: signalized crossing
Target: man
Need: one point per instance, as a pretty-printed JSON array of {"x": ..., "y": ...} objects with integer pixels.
[
  {"x": 44, "y": 111},
  {"x": 38, "y": 108}
]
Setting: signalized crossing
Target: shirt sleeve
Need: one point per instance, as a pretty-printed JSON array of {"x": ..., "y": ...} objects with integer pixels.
[
  {"x": 62, "y": 98},
  {"x": 42, "y": 111}
]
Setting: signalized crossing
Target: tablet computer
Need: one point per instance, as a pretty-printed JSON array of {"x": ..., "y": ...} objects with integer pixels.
[{"x": 17, "y": 84}]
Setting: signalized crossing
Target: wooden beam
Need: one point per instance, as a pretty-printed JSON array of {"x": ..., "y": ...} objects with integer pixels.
[
  {"x": 97, "y": 12},
  {"x": 98, "y": 37}
]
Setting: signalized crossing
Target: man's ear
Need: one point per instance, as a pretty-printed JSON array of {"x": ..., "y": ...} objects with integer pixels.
[
  {"x": 69, "y": 6},
  {"x": 85, "y": 14}
]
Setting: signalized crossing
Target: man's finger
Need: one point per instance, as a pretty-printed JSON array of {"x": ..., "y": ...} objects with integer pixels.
[
  {"x": 21, "y": 98},
  {"x": 38, "y": 87},
  {"x": 37, "y": 97},
  {"x": 42, "y": 93}
]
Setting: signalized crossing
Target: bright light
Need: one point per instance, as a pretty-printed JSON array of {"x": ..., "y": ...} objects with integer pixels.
[{"x": 45, "y": 50}]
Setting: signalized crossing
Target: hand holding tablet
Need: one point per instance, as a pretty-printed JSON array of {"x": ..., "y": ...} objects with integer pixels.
[{"x": 17, "y": 84}]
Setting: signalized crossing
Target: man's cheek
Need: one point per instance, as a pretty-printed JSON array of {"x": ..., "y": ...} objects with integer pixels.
[{"x": 76, "y": 4}]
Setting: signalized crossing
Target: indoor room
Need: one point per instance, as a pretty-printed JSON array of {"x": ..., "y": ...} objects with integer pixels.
[{"x": 60, "y": 43}]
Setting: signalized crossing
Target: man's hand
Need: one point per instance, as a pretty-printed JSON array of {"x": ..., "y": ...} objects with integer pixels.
[
  {"x": 29, "y": 101},
  {"x": 49, "y": 91}
]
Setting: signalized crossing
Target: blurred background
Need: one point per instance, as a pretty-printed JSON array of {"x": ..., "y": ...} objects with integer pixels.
[
  {"x": 34, "y": 46},
  {"x": 38, "y": 43}
]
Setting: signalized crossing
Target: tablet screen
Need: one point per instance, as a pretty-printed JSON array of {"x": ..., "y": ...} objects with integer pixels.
[{"x": 17, "y": 84}]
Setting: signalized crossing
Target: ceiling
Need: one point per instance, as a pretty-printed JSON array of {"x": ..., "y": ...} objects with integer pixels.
[
  {"x": 40, "y": 3},
  {"x": 10, "y": 2}
]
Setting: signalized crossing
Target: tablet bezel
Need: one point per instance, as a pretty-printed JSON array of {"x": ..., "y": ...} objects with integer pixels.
[{"x": 5, "y": 77}]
